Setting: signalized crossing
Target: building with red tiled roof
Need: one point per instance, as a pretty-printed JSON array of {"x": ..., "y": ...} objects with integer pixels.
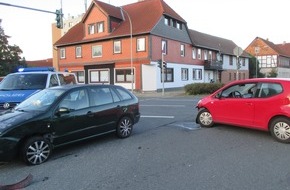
[
  {"x": 124, "y": 45},
  {"x": 271, "y": 57}
]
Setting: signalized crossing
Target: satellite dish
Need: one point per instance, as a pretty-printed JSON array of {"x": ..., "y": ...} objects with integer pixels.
[{"x": 238, "y": 51}]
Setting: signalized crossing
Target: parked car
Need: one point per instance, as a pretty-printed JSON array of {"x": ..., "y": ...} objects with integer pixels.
[
  {"x": 262, "y": 103},
  {"x": 65, "y": 114},
  {"x": 16, "y": 87}
]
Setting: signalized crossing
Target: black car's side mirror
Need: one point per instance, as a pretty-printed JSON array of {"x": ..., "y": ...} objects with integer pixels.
[{"x": 62, "y": 110}]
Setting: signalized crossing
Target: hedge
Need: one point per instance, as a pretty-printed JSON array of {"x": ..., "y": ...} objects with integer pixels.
[{"x": 202, "y": 88}]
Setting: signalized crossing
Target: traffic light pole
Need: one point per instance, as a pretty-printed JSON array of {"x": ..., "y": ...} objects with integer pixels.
[{"x": 58, "y": 13}]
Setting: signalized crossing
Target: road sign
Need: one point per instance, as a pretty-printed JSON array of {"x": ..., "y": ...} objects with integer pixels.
[{"x": 238, "y": 51}]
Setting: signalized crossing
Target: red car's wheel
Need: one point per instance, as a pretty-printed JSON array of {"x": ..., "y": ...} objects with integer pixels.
[
  {"x": 204, "y": 118},
  {"x": 280, "y": 129}
]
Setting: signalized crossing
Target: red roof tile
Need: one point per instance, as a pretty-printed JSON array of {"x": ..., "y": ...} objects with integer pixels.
[
  {"x": 144, "y": 16},
  {"x": 109, "y": 9},
  {"x": 284, "y": 48},
  {"x": 281, "y": 49}
]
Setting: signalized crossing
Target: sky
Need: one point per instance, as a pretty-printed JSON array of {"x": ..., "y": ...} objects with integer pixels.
[{"x": 238, "y": 20}]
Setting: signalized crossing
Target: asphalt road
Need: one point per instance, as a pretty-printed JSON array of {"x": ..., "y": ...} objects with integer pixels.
[{"x": 166, "y": 151}]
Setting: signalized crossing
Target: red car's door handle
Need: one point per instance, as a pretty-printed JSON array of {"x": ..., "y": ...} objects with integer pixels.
[{"x": 249, "y": 103}]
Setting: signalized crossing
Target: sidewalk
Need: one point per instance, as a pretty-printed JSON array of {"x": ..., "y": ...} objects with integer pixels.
[{"x": 171, "y": 93}]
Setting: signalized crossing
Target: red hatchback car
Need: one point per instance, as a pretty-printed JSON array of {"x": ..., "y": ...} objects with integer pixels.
[{"x": 262, "y": 103}]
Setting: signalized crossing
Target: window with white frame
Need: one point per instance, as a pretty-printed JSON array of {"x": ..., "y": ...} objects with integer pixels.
[
  {"x": 141, "y": 44},
  {"x": 243, "y": 61},
  {"x": 91, "y": 28},
  {"x": 182, "y": 50},
  {"x": 210, "y": 55},
  {"x": 99, "y": 76},
  {"x": 100, "y": 27},
  {"x": 117, "y": 46},
  {"x": 231, "y": 60},
  {"x": 193, "y": 53},
  {"x": 199, "y": 53},
  {"x": 62, "y": 53},
  {"x": 184, "y": 74},
  {"x": 97, "y": 51},
  {"x": 164, "y": 46},
  {"x": 78, "y": 51},
  {"x": 197, "y": 74},
  {"x": 124, "y": 75},
  {"x": 179, "y": 26},
  {"x": 205, "y": 54}
]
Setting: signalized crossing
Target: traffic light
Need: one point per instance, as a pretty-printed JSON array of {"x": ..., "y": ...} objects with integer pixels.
[
  {"x": 59, "y": 21},
  {"x": 164, "y": 65},
  {"x": 159, "y": 63}
]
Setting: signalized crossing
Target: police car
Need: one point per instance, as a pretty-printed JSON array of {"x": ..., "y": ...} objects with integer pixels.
[{"x": 16, "y": 87}]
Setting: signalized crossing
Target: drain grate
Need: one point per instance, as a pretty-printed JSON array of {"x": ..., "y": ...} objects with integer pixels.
[{"x": 187, "y": 125}]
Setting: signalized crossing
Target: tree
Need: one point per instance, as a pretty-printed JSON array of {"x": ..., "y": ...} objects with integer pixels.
[
  {"x": 10, "y": 58},
  {"x": 254, "y": 67}
]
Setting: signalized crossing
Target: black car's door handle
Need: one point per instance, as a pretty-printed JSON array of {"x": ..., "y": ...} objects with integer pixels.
[{"x": 90, "y": 114}]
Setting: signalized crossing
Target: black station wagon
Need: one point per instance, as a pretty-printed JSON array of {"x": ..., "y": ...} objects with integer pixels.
[{"x": 61, "y": 115}]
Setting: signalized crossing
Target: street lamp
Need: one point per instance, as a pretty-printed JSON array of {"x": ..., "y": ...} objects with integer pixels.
[{"x": 131, "y": 48}]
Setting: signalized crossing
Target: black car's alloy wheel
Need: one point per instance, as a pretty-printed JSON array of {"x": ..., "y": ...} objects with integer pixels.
[
  {"x": 280, "y": 129},
  {"x": 36, "y": 150},
  {"x": 204, "y": 118},
  {"x": 125, "y": 127}
]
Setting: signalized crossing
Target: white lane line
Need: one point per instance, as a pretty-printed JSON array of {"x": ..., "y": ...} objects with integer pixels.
[
  {"x": 156, "y": 116},
  {"x": 179, "y": 106}
]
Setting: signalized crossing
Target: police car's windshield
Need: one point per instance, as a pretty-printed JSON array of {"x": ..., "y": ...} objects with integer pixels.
[
  {"x": 40, "y": 101},
  {"x": 23, "y": 81}
]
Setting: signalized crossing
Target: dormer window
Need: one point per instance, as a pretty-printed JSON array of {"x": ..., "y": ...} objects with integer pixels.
[
  {"x": 166, "y": 21},
  {"x": 91, "y": 28},
  {"x": 100, "y": 27},
  {"x": 179, "y": 26}
]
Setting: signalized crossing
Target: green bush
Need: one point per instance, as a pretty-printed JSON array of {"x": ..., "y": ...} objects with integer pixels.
[{"x": 202, "y": 88}]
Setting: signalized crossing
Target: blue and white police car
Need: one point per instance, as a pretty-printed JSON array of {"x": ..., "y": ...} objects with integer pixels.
[{"x": 16, "y": 87}]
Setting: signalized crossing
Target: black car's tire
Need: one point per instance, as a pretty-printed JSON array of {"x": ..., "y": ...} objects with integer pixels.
[
  {"x": 280, "y": 129},
  {"x": 36, "y": 150},
  {"x": 124, "y": 127},
  {"x": 204, "y": 118}
]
